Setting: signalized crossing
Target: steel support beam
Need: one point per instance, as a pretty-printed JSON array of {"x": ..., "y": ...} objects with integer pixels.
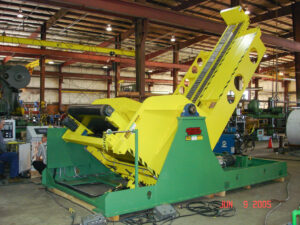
[
  {"x": 141, "y": 29},
  {"x": 174, "y": 72},
  {"x": 279, "y": 55},
  {"x": 249, "y": 86},
  {"x": 286, "y": 84},
  {"x": 187, "y": 4},
  {"x": 166, "y": 16},
  {"x": 117, "y": 67},
  {"x": 235, "y": 3},
  {"x": 149, "y": 83},
  {"x": 181, "y": 46},
  {"x": 256, "y": 85},
  {"x": 86, "y": 58},
  {"x": 282, "y": 11},
  {"x": 60, "y": 81},
  {"x": 97, "y": 77},
  {"x": 296, "y": 28},
  {"x": 105, "y": 44},
  {"x": 42, "y": 69},
  {"x": 108, "y": 84},
  {"x": 65, "y": 45},
  {"x": 282, "y": 65}
]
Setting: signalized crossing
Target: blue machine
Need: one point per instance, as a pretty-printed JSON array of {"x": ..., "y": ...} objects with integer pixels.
[{"x": 226, "y": 143}]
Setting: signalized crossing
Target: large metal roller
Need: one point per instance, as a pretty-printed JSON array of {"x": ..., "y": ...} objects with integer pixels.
[{"x": 293, "y": 127}]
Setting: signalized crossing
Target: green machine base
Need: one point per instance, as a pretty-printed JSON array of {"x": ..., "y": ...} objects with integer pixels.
[{"x": 190, "y": 170}]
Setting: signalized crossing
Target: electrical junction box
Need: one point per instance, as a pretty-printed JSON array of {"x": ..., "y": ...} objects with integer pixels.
[
  {"x": 9, "y": 130},
  {"x": 163, "y": 212}
]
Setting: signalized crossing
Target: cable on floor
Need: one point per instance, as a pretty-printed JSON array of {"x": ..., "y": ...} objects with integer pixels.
[
  {"x": 210, "y": 209},
  {"x": 203, "y": 208},
  {"x": 279, "y": 201},
  {"x": 70, "y": 210}
]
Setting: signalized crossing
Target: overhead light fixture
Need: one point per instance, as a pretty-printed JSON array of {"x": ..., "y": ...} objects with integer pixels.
[
  {"x": 51, "y": 62},
  {"x": 105, "y": 67},
  {"x": 265, "y": 55},
  {"x": 247, "y": 12},
  {"x": 290, "y": 79},
  {"x": 20, "y": 14},
  {"x": 173, "y": 39},
  {"x": 108, "y": 28}
]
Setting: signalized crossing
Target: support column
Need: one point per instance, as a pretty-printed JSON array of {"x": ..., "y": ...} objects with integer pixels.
[
  {"x": 42, "y": 69},
  {"x": 256, "y": 84},
  {"x": 249, "y": 92},
  {"x": 296, "y": 29},
  {"x": 141, "y": 28},
  {"x": 149, "y": 84},
  {"x": 60, "y": 81},
  {"x": 108, "y": 83},
  {"x": 174, "y": 72},
  {"x": 117, "y": 67},
  {"x": 286, "y": 93}
]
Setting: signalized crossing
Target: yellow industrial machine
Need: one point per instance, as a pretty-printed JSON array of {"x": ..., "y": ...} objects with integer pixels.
[
  {"x": 166, "y": 142},
  {"x": 156, "y": 118}
]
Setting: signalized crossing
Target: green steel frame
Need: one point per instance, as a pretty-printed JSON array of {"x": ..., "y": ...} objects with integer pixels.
[{"x": 190, "y": 170}]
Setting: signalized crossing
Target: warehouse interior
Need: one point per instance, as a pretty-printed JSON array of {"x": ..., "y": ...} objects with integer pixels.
[{"x": 149, "y": 112}]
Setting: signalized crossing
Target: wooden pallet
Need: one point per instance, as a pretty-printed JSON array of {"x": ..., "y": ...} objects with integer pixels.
[
  {"x": 72, "y": 199},
  {"x": 80, "y": 202},
  {"x": 219, "y": 194}
]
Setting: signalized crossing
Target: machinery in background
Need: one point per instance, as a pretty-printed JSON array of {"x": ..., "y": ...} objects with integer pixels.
[
  {"x": 141, "y": 151},
  {"x": 293, "y": 128},
  {"x": 292, "y": 145},
  {"x": 235, "y": 139},
  {"x": 271, "y": 120},
  {"x": 12, "y": 79},
  {"x": 34, "y": 136}
]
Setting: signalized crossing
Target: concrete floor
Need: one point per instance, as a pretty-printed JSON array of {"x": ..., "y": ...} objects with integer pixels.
[{"x": 30, "y": 204}]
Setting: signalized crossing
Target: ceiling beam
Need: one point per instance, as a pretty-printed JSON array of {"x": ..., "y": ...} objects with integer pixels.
[
  {"x": 282, "y": 65},
  {"x": 279, "y": 55},
  {"x": 36, "y": 73},
  {"x": 104, "y": 44},
  {"x": 87, "y": 58},
  {"x": 187, "y": 4},
  {"x": 168, "y": 17},
  {"x": 49, "y": 23},
  {"x": 182, "y": 45},
  {"x": 283, "y": 11}
]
